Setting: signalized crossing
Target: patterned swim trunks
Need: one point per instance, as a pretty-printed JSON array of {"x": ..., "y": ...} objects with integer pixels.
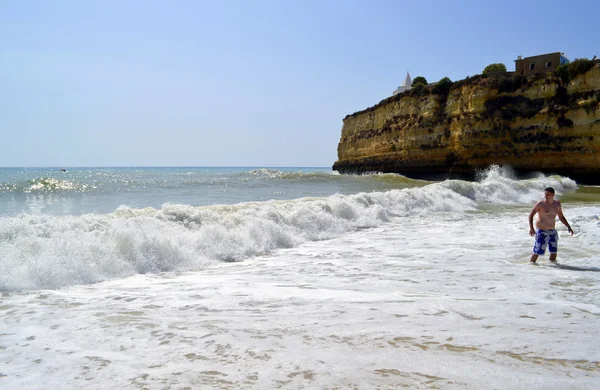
[{"x": 545, "y": 238}]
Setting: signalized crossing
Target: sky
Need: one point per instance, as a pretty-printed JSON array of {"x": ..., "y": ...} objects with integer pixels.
[{"x": 241, "y": 83}]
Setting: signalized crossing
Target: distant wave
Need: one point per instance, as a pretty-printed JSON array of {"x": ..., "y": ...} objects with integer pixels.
[{"x": 269, "y": 173}]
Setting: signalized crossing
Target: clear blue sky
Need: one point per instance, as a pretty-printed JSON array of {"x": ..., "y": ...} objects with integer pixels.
[{"x": 241, "y": 83}]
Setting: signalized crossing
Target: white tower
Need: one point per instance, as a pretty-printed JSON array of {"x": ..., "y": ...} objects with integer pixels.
[{"x": 405, "y": 86}]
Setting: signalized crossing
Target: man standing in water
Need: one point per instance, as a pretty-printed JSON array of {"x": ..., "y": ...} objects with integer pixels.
[{"x": 547, "y": 211}]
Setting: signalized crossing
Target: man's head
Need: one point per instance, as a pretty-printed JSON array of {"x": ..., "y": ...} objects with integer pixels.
[{"x": 549, "y": 193}]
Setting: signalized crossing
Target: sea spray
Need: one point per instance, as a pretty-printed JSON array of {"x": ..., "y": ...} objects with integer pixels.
[{"x": 497, "y": 185}]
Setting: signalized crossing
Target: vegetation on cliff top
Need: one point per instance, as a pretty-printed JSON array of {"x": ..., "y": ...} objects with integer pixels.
[
  {"x": 419, "y": 80},
  {"x": 502, "y": 82},
  {"x": 494, "y": 68},
  {"x": 442, "y": 87},
  {"x": 579, "y": 66}
]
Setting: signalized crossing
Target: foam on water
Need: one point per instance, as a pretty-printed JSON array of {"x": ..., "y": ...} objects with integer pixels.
[
  {"x": 42, "y": 252},
  {"x": 437, "y": 300},
  {"x": 498, "y": 185},
  {"x": 427, "y": 287}
]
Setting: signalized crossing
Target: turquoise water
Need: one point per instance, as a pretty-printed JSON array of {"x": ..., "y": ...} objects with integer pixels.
[{"x": 78, "y": 191}]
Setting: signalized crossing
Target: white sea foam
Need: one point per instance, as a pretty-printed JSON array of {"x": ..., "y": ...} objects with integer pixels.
[
  {"x": 50, "y": 252},
  {"x": 497, "y": 185},
  {"x": 435, "y": 300},
  {"x": 41, "y": 251},
  {"x": 426, "y": 287}
]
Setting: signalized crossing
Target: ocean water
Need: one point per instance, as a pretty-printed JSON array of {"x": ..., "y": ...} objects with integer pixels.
[{"x": 291, "y": 278}]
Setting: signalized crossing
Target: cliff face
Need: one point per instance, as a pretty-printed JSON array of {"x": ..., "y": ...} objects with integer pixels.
[{"x": 531, "y": 124}]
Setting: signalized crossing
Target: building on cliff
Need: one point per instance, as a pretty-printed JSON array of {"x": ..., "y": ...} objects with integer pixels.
[
  {"x": 539, "y": 64},
  {"x": 407, "y": 85}
]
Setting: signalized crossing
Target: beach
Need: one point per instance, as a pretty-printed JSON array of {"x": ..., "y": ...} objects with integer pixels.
[{"x": 384, "y": 283}]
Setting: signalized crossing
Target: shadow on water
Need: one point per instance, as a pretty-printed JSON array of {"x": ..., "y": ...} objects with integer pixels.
[{"x": 574, "y": 268}]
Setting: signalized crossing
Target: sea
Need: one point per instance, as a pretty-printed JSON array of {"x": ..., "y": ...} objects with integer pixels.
[{"x": 292, "y": 278}]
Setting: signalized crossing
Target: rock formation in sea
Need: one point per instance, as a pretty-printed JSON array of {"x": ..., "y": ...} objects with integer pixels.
[{"x": 546, "y": 123}]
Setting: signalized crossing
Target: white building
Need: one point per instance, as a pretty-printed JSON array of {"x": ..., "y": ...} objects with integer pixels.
[{"x": 405, "y": 86}]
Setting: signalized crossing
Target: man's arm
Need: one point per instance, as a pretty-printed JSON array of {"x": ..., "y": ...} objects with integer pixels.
[
  {"x": 533, "y": 212},
  {"x": 563, "y": 219}
]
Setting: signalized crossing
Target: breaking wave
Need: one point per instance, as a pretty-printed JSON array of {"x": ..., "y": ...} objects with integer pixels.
[{"x": 47, "y": 252}]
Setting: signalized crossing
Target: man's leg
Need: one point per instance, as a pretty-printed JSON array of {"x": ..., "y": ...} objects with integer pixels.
[
  {"x": 534, "y": 258},
  {"x": 553, "y": 246},
  {"x": 539, "y": 247}
]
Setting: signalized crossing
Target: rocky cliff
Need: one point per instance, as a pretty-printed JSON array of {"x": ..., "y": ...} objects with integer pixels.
[{"x": 540, "y": 123}]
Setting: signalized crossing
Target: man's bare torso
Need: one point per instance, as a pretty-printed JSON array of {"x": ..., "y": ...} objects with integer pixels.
[{"x": 547, "y": 212}]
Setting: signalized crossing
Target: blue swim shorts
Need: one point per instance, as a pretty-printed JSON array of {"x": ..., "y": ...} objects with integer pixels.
[{"x": 545, "y": 238}]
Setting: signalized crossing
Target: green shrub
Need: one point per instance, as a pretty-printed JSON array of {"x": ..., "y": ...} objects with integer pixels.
[
  {"x": 567, "y": 72},
  {"x": 419, "y": 80},
  {"x": 580, "y": 66},
  {"x": 418, "y": 89},
  {"x": 443, "y": 86},
  {"x": 562, "y": 71},
  {"x": 494, "y": 68}
]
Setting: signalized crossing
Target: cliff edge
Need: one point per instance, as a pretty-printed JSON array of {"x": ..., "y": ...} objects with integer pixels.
[{"x": 540, "y": 123}]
